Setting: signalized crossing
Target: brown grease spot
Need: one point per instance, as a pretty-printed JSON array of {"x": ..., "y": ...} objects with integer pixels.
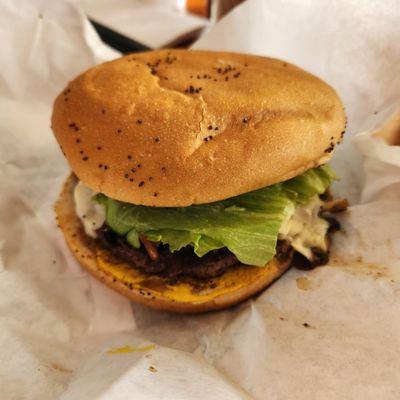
[
  {"x": 359, "y": 267},
  {"x": 60, "y": 368}
]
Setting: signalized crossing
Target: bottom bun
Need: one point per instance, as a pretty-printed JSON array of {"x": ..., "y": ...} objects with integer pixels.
[{"x": 234, "y": 286}]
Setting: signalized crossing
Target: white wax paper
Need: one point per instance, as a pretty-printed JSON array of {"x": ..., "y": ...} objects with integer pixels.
[{"x": 332, "y": 333}]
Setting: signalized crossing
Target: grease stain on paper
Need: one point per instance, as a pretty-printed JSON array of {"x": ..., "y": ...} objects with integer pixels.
[
  {"x": 304, "y": 283},
  {"x": 60, "y": 368},
  {"x": 360, "y": 267},
  {"x": 131, "y": 349},
  {"x": 354, "y": 266}
]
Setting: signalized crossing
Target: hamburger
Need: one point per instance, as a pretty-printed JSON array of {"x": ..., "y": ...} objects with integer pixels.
[{"x": 198, "y": 177}]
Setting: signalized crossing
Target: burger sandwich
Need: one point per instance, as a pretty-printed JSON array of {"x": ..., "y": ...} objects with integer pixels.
[{"x": 198, "y": 177}]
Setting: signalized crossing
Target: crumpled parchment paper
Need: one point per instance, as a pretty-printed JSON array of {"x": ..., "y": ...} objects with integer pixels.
[{"x": 330, "y": 333}]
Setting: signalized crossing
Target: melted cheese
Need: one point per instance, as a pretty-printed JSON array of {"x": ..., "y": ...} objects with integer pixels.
[{"x": 231, "y": 281}]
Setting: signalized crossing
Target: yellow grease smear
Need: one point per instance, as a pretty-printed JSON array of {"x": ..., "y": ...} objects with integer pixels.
[
  {"x": 182, "y": 292},
  {"x": 304, "y": 283},
  {"x": 130, "y": 349}
]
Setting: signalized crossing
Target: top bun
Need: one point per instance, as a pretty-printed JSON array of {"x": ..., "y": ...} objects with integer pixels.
[{"x": 177, "y": 127}]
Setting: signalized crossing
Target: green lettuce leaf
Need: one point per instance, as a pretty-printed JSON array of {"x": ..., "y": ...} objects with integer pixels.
[
  {"x": 247, "y": 224},
  {"x": 314, "y": 181}
]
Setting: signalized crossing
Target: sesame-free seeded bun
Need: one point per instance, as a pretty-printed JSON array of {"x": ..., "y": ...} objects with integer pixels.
[
  {"x": 232, "y": 287},
  {"x": 178, "y": 127}
]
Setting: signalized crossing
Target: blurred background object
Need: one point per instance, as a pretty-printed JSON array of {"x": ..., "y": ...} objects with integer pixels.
[
  {"x": 150, "y": 24},
  {"x": 219, "y": 8},
  {"x": 198, "y": 7},
  {"x": 139, "y": 25},
  {"x": 213, "y": 9}
]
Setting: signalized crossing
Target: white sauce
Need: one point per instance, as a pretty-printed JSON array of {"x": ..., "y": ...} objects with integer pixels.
[
  {"x": 304, "y": 229},
  {"x": 89, "y": 212}
]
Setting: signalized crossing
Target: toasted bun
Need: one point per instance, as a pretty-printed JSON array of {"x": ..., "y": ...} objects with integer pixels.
[
  {"x": 231, "y": 288},
  {"x": 175, "y": 128}
]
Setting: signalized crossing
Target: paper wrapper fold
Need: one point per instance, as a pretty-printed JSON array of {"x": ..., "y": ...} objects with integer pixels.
[{"x": 331, "y": 333}]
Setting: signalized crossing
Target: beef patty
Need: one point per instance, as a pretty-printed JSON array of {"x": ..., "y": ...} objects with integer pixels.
[
  {"x": 184, "y": 263},
  {"x": 180, "y": 264}
]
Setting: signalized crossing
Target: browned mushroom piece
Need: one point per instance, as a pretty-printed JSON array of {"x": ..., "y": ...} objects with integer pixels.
[
  {"x": 335, "y": 206},
  {"x": 150, "y": 247}
]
